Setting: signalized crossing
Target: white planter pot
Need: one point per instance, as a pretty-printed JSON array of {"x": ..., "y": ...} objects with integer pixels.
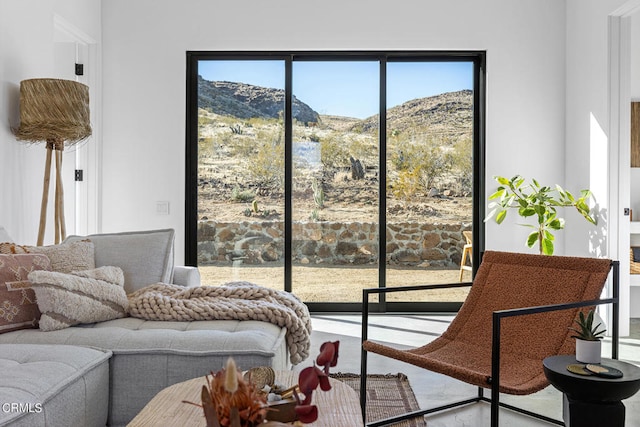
[{"x": 588, "y": 351}]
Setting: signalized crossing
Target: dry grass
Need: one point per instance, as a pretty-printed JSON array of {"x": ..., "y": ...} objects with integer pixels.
[{"x": 341, "y": 283}]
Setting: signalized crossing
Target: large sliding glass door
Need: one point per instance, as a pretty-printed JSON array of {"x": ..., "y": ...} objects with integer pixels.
[
  {"x": 240, "y": 171},
  {"x": 328, "y": 172},
  {"x": 335, "y": 187},
  {"x": 429, "y": 158}
]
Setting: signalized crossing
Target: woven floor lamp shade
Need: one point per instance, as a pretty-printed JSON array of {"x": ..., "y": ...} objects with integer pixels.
[{"x": 55, "y": 111}]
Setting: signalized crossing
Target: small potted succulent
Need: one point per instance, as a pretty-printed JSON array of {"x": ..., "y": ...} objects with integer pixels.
[{"x": 588, "y": 338}]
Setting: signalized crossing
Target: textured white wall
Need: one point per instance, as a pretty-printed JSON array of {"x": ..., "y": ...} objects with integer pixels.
[{"x": 144, "y": 45}]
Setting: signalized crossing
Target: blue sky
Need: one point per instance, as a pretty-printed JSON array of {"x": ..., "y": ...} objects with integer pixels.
[{"x": 347, "y": 88}]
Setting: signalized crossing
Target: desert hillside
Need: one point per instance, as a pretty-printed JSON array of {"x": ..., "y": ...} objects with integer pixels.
[{"x": 241, "y": 158}]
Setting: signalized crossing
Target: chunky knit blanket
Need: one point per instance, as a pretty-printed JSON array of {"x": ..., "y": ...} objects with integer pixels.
[{"x": 231, "y": 301}]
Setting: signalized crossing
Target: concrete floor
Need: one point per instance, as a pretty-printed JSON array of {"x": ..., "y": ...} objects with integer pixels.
[{"x": 433, "y": 389}]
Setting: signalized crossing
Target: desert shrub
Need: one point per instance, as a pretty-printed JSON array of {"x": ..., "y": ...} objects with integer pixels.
[
  {"x": 358, "y": 128},
  {"x": 406, "y": 185},
  {"x": 334, "y": 152},
  {"x": 266, "y": 164},
  {"x": 260, "y": 122},
  {"x": 240, "y": 147},
  {"x": 426, "y": 159},
  {"x": 364, "y": 147},
  {"x": 462, "y": 164},
  {"x": 239, "y": 195},
  {"x": 399, "y": 160},
  {"x": 206, "y": 147},
  {"x": 270, "y": 136},
  {"x": 204, "y": 120},
  {"x": 436, "y": 162}
]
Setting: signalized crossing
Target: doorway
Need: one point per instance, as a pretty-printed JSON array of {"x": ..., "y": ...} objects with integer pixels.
[
  {"x": 620, "y": 54},
  {"x": 81, "y": 189}
]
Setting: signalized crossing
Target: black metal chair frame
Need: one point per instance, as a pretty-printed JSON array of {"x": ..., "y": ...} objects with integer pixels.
[{"x": 494, "y": 400}]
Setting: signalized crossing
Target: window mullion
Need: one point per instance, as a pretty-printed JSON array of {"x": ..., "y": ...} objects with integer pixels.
[
  {"x": 288, "y": 173},
  {"x": 382, "y": 183}
]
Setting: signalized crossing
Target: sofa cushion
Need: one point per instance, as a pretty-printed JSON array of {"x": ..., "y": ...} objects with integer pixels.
[
  {"x": 18, "y": 308},
  {"x": 145, "y": 257},
  {"x": 81, "y": 297},
  {"x": 67, "y": 257},
  {"x": 151, "y": 355},
  {"x": 53, "y": 385}
]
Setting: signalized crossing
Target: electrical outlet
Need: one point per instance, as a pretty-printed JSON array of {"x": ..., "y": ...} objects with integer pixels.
[{"x": 162, "y": 208}]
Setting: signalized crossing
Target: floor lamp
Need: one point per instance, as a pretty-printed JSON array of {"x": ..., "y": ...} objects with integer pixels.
[{"x": 55, "y": 111}]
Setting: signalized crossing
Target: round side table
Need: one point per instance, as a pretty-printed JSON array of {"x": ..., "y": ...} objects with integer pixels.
[{"x": 589, "y": 400}]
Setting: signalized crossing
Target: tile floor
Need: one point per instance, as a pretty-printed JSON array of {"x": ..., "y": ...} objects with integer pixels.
[{"x": 433, "y": 389}]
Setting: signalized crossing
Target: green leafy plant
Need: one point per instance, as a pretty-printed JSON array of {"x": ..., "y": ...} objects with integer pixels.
[
  {"x": 586, "y": 331},
  {"x": 535, "y": 200}
]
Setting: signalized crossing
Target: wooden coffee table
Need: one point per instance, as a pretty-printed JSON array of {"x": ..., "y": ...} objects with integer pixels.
[{"x": 338, "y": 407}]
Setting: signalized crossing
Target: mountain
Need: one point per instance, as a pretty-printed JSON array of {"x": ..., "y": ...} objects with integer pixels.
[
  {"x": 447, "y": 114},
  {"x": 246, "y": 101}
]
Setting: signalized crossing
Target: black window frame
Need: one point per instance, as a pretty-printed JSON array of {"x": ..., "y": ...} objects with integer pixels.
[{"x": 478, "y": 58}]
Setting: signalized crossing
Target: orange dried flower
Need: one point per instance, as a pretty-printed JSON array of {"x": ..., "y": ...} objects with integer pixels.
[{"x": 244, "y": 407}]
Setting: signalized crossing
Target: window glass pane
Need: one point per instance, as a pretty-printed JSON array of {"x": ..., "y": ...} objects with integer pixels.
[
  {"x": 429, "y": 175},
  {"x": 335, "y": 180},
  {"x": 241, "y": 171}
]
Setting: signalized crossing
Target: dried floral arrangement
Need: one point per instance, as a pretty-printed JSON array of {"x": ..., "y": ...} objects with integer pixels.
[
  {"x": 231, "y": 400},
  {"x": 313, "y": 376}
]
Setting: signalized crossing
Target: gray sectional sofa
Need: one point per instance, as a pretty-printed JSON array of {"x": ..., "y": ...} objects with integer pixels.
[
  {"x": 124, "y": 362},
  {"x": 53, "y": 385}
]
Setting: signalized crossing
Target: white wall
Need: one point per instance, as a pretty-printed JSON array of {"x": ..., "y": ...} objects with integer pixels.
[
  {"x": 587, "y": 118},
  {"x": 144, "y": 45},
  {"x": 588, "y": 127},
  {"x": 27, "y": 51}
]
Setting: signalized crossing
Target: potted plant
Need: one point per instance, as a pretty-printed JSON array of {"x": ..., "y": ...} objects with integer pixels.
[
  {"x": 588, "y": 338},
  {"x": 540, "y": 201}
]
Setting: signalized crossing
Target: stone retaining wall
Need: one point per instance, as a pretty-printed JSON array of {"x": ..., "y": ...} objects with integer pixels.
[{"x": 408, "y": 244}]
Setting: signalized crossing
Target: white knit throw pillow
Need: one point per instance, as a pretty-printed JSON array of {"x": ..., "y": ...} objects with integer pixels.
[{"x": 80, "y": 297}]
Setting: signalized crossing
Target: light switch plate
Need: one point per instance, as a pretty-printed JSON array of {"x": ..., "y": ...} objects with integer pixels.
[{"x": 162, "y": 208}]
